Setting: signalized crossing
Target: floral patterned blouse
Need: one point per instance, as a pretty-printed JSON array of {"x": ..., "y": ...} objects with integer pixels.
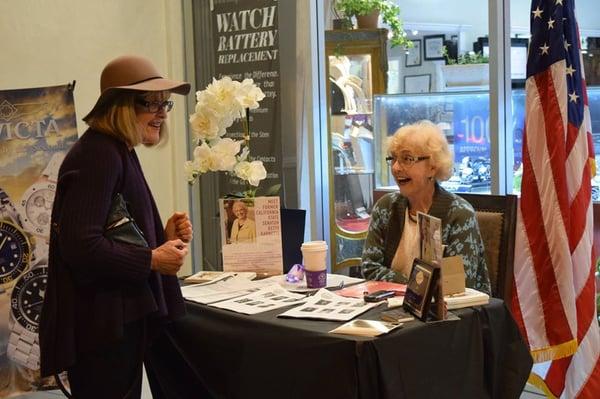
[{"x": 460, "y": 234}]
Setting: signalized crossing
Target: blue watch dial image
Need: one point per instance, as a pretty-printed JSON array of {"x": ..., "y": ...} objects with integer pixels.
[
  {"x": 28, "y": 296},
  {"x": 15, "y": 251}
]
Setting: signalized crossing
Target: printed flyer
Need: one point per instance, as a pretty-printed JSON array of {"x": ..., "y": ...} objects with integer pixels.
[
  {"x": 430, "y": 238},
  {"x": 251, "y": 235}
]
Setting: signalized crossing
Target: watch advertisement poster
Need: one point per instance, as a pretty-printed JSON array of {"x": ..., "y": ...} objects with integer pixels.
[
  {"x": 251, "y": 235},
  {"x": 37, "y": 128},
  {"x": 246, "y": 46}
]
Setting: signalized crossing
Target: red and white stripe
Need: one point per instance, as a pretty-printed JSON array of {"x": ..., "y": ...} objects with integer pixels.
[{"x": 554, "y": 301}]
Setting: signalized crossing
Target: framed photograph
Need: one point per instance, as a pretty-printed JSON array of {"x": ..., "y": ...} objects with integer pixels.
[
  {"x": 413, "y": 55},
  {"x": 433, "y": 47},
  {"x": 417, "y": 83},
  {"x": 430, "y": 238},
  {"x": 421, "y": 285}
]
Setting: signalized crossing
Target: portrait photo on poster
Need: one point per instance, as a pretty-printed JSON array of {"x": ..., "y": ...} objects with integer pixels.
[
  {"x": 419, "y": 290},
  {"x": 239, "y": 226}
]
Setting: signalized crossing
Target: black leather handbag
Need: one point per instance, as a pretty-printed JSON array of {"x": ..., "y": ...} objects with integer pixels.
[{"x": 120, "y": 226}]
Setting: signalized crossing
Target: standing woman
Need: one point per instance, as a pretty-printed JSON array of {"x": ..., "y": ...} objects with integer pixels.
[
  {"x": 107, "y": 301},
  {"x": 419, "y": 158}
]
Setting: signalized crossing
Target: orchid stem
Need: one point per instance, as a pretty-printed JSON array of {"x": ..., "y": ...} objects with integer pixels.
[{"x": 247, "y": 129}]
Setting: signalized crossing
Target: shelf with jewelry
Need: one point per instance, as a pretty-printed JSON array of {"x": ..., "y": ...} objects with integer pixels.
[{"x": 356, "y": 63}]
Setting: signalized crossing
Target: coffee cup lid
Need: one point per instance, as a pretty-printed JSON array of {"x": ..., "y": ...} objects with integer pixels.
[{"x": 314, "y": 246}]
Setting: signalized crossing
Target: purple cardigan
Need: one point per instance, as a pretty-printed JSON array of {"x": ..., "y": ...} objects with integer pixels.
[{"x": 96, "y": 285}]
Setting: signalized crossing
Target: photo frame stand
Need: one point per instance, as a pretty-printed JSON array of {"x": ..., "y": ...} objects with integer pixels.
[{"x": 424, "y": 284}]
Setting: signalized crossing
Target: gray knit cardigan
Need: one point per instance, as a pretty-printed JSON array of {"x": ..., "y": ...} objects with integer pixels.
[{"x": 460, "y": 234}]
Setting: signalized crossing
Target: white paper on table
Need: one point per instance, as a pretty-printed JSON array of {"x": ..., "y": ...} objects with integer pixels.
[
  {"x": 333, "y": 281},
  {"x": 366, "y": 328},
  {"x": 221, "y": 290},
  {"x": 470, "y": 297},
  {"x": 395, "y": 302},
  {"x": 213, "y": 276},
  {"x": 267, "y": 298},
  {"x": 326, "y": 305}
]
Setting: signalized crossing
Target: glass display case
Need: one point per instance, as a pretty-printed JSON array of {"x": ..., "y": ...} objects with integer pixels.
[
  {"x": 464, "y": 118},
  {"x": 357, "y": 65}
]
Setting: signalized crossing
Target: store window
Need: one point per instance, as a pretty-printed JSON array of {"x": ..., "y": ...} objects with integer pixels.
[
  {"x": 443, "y": 78},
  {"x": 588, "y": 18}
]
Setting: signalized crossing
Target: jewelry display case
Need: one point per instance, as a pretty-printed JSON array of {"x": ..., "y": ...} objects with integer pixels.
[
  {"x": 464, "y": 118},
  {"x": 356, "y": 63}
]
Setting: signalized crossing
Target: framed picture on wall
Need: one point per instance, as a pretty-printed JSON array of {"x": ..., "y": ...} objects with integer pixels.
[
  {"x": 417, "y": 83},
  {"x": 413, "y": 55},
  {"x": 433, "y": 47}
]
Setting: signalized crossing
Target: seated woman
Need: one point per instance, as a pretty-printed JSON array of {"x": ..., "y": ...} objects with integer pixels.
[{"x": 419, "y": 158}]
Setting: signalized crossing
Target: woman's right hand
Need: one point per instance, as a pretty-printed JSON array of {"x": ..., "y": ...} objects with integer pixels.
[{"x": 169, "y": 257}]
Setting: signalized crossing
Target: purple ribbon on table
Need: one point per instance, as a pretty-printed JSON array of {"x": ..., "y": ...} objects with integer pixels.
[{"x": 296, "y": 274}]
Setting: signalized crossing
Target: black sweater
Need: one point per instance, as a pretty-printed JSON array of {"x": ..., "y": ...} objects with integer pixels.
[{"x": 96, "y": 285}]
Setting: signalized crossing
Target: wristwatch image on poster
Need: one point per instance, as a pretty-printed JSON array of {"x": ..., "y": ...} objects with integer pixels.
[{"x": 27, "y": 295}]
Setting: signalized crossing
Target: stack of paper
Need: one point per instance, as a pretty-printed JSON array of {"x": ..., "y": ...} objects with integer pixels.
[
  {"x": 207, "y": 276},
  {"x": 326, "y": 305},
  {"x": 268, "y": 298},
  {"x": 359, "y": 290},
  {"x": 221, "y": 290},
  {"x": 470, "y": 297}
]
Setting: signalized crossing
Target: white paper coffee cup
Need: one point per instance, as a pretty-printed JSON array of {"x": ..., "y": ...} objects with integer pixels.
[{"x": 314, "y": 254}]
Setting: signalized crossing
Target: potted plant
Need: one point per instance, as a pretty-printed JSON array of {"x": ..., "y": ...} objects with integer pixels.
[
  {"x": 468, "y": 69},
  {"x": 367, "y": 14}
]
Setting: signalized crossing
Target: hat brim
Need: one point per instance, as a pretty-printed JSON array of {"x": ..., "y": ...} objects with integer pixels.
[{"x": 154, "y": 84}]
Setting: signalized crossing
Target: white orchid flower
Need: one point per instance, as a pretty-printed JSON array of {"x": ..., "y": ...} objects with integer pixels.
[
  {"x": 191, "y": 170},
  {"x": 244, "y": 155},
  {"x": 249, "y": 95},
  {"x": 225, "y": 151},
  {"x": 217, "y": 108},
  {"x": 253, "y": 172},
  {"x": 204, "y": 159},
  {"x": 205, "y": 124}
]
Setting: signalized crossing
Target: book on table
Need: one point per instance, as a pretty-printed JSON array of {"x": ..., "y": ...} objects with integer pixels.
[{"x": 368, "y": 287}]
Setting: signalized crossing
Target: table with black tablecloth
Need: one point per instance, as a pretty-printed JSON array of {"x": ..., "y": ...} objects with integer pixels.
[{"x": 220, "y": 354}]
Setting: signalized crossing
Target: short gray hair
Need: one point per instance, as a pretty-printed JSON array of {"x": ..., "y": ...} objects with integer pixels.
[{"x": 425, "y": 138}]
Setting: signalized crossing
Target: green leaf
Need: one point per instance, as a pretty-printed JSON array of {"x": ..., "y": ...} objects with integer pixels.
[
  {"x": 389, "y": 11},
  {"x": 273, "y": 190}
]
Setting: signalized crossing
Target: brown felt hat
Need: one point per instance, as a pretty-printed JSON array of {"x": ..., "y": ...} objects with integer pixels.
[{"x": 132, "y": 72}]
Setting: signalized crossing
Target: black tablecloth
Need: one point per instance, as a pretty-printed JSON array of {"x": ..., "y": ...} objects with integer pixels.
[{"x": 215, "y": 353}]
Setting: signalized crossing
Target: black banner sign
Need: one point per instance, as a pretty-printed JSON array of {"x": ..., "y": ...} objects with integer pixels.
[{"x": 246, "y": 45}]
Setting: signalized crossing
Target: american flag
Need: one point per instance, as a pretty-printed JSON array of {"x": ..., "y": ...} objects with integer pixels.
[{"x": 554, "y": 283}]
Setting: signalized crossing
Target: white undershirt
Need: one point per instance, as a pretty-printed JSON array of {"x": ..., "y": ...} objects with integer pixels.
[{"x": 408, "y": 248}]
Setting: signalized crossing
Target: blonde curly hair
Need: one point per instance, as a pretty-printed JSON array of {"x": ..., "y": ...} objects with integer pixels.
[{"x": 424, "y": 138}]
